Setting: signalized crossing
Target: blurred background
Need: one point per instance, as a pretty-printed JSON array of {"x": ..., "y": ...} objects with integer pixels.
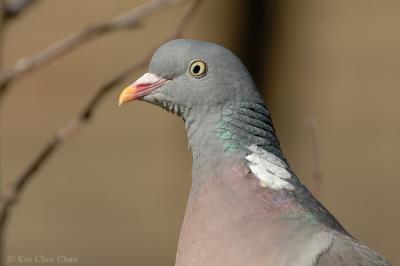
[{"x": 116, "y": 193}]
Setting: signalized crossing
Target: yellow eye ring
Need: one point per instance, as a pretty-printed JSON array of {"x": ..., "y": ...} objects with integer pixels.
[{"x": 198, "y": 69}]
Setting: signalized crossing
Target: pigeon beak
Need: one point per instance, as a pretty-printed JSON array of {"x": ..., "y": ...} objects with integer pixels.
[{"x": 141, "y": 87}]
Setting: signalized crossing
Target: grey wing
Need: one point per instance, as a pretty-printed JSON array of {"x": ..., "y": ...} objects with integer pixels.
[{"x": 346, "y": 251}]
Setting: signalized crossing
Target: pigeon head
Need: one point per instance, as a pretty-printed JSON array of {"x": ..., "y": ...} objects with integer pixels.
[
  {"x": 188, "y": 73},
  {"x": 211, "y": 89}
]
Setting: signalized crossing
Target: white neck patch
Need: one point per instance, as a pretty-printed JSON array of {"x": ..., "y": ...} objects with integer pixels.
[{"x": 270, "y": 169}]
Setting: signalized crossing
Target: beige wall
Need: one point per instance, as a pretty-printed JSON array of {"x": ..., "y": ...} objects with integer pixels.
[
  {"x": 338, "y": 61},
  {"x": 116, "y": 193}
]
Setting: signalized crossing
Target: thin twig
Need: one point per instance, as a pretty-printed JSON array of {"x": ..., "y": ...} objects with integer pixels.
[
  {"x": 13, "y": 8},
  {"x": 129, "y": 20},
  {"x": 316, "y": 177},
  {"x": 19, "y": 183}
]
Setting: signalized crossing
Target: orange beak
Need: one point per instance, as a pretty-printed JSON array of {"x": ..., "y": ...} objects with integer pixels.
[{"x": 141, "y": 87}]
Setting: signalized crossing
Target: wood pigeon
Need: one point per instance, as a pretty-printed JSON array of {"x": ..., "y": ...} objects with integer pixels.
[{"x": 246, "y": 205}]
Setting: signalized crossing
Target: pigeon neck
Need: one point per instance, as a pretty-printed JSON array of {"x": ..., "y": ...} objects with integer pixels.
[
  {"x": 236, "y": 130},
  {"x": 248, "y": 124}
]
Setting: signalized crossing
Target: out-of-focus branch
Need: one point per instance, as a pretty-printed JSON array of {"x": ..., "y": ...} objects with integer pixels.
[
  {"x": 316, "y": 177},
  {"x": 15, "y": 189},
  {"x": 129, "y": 20},
  {"x": 13, "y": 8}
]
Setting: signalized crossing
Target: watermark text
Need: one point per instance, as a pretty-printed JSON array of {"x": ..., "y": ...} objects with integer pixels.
[{"x": 62, "y": 259}]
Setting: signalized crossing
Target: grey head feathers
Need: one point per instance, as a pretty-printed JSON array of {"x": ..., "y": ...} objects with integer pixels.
[
  {"x": 227, "y": 91},
  {"x": 226, "y": 79}
]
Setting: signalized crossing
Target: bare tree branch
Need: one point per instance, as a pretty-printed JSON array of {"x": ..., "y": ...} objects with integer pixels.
[
  {"x": 316, "y": 177},
  {"x": 13, "y": 8},
  {"x": 129, "y": 20},
  {"x": 13, "y": 193}
]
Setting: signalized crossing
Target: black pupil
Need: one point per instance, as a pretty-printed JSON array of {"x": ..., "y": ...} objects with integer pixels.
[{"x": 196, "y": 69}]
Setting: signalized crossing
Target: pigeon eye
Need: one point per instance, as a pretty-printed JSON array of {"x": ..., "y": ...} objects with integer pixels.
[{"x": 198, "y": 69}]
